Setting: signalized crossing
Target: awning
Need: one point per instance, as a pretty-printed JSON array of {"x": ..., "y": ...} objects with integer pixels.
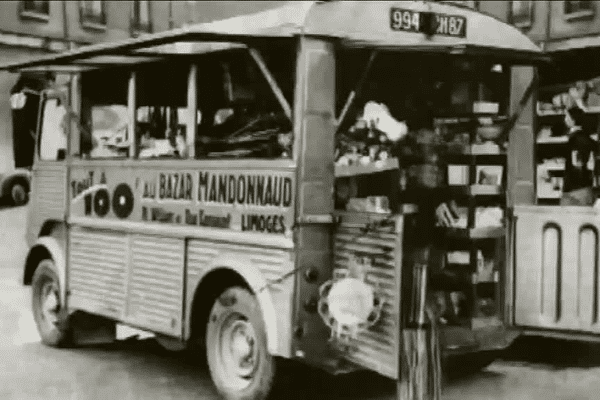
[{"x": 351, "y": 23}]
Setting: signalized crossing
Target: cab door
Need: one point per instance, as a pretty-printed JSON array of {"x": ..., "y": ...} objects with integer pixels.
[{"x": 49, "y": 172}]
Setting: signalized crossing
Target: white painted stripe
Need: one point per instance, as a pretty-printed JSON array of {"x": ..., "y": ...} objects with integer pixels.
[{"x": 87, "y": 191}]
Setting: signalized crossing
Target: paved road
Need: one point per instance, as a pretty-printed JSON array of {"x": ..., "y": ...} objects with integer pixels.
[{"x": 137, "y": 369}]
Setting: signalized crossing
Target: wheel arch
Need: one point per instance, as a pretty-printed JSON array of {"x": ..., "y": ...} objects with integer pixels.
[
  {"x": 224, "y": 273},
  {"x": 44, "y": 247}
]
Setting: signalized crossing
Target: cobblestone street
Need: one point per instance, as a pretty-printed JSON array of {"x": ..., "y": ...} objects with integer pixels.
[{"x": 138, "y": 369}]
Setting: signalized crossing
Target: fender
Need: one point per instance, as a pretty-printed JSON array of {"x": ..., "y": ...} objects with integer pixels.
[
  {"x": 254, "y": 278},
  {"x": 58, "y": 255}
]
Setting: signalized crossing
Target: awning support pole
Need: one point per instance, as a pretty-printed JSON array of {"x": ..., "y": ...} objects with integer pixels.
[
  {"x": 357, "y": 91},
  {"x": 260, "y": 62}
]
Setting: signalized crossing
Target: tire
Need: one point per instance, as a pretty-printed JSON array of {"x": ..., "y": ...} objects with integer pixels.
[
  {"x": 18, "y": 194},
  {"x": 236, "y": 319},
  {"x": 51, "y": 319}
]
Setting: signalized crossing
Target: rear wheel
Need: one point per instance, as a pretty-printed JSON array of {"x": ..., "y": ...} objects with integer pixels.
[
  {"x": 236, "y": 346},
  {"x": 51, "y": 319}
]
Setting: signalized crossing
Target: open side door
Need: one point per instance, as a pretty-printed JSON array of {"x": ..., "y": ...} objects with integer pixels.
[
  {"x": 553, "y": 276},
  {"x": 555, "y": 267}
]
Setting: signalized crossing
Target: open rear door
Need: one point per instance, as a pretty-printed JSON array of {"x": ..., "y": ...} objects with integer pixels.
[{"x": 555, "y": 272}]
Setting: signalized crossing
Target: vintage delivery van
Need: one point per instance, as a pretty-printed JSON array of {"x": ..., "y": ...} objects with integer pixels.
[{"x": 213, "y": 185}]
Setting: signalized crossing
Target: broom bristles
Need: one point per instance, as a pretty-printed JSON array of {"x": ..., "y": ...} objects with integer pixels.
[{"x": 421, "y": 365}]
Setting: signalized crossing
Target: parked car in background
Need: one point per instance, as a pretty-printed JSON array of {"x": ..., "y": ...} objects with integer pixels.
[{"x": 14, "y": 186}]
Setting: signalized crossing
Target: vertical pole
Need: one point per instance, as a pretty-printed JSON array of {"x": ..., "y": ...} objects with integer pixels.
[
  {"x": 65, "y": 22},
  {"x": 132, "y": 108},
  {"x": 171, "y": 21},
  {"x": 75, "y": 107},
  {"x": 192, "y": 108}
]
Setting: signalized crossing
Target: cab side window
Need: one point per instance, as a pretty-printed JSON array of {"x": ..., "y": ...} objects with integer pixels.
[
  {"x": 241, "y": 116},
  {"x": 161, "y": 109},
  {"x": 104, "y": 114},
  {"x": 53, "y": 132}
]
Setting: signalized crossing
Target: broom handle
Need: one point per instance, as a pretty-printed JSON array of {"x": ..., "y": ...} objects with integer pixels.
[{"x": 422, "y": 294}]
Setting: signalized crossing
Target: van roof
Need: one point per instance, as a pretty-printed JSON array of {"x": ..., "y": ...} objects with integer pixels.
[{"x": 353, "y": 23}]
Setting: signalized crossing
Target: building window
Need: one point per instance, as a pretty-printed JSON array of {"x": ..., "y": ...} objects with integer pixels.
[
  {"x": 574, "y": 9},
  {"x": 93, "y": 13},
  {"x": 521, "y": 13},
  {"x": 141, "y": 21},
  {"x": 35, "y": 9}
]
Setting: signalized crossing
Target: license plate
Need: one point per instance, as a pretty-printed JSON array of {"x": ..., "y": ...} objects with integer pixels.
[{"x": 414, "y": 21}]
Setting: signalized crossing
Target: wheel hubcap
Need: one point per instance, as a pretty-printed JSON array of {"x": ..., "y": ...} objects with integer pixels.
[
  {"x": 239, "y": 352},
  {"x": 18, "y": 194},
  {"x": 50, "y": 304}
]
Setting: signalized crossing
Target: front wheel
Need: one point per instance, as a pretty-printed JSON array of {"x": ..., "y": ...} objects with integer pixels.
[
  {"x": 50, "y": 318},
  {"x": 236, "y": 343}
]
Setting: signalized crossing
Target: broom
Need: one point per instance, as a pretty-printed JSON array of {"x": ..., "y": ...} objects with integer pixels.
[{"x": 421, "y": 369}]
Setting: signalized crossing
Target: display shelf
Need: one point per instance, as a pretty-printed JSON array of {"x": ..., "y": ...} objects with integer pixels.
[
  {"x": 372, "y": 168},
  {"x": 486, "y": 322},
  {"x": 477, "y": 158},
  {"x": 559, "y": 139},
  {"x": 550, "y": 196},
  {"x": 547, "y": 113},
  {"x": 477, "y": 190},
  {"x": 551, "y": 168},
  {"x": 476, "y": 279},
  {"x": 466, "y": 119},
  {"x": 487, "y": 232}
]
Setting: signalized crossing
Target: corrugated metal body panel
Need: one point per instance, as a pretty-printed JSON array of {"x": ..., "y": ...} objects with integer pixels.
[
  {"x": 272, "y": 264},
  {"x": 375, "y": 348},
  {"x": 97, "y": 275},
  {"x": 557, "y": 273},
  {"x": 155, "y": 288},
  {"x": 48, "y": 195}
]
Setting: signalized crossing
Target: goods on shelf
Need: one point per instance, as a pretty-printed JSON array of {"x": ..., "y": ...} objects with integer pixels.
[
  {"x": 553, "y": 137},
  {"x": 372, "y": 154},
  {"x": 370, "y": 139}
]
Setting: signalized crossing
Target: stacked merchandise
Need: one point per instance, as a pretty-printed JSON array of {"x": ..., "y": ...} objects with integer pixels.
[{"x": 267, "y": 135}]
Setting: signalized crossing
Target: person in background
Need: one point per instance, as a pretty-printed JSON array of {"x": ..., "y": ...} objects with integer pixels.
[
  {"x": 427, "y": 188},
  {"x": 580, "y": 161}
]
